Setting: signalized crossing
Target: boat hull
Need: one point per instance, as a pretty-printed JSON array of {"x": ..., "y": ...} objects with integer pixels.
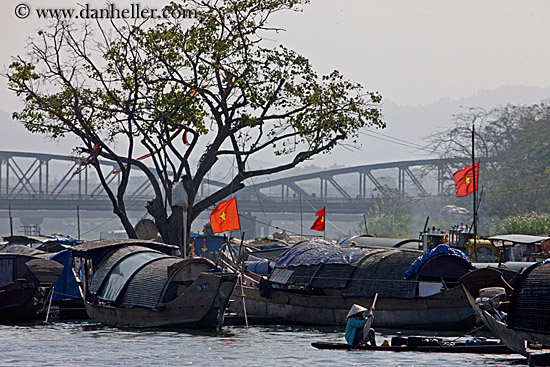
[
  {"x": 22, "y": 301},
  {"x": 516, "y": 340},
  {"x": 201, "y": 305},
  {"x": 480, "y": 349},
  {"x": 447, "y": 310}
]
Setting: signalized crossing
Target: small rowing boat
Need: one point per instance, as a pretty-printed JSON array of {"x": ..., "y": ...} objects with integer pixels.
[{"x": 459, "y": 347}]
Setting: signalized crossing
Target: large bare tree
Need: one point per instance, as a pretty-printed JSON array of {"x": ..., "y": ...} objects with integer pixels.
[{"x": 216, "y": 82}]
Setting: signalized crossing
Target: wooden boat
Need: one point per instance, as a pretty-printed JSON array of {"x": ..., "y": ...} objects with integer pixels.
[
  {"x": 25, "y": 284},
  {"x": 66, "y": 298},
  {"x": 520, "y": 313},
  {"x": 317, "y": 282},
  {"x": 138, "y": 284},
  {"x": 489, "y": 348}
]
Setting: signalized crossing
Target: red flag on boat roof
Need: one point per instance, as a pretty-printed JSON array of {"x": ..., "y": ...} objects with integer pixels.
[
  {"x": 319, "y": 224},
  {"x": 464, "y": 180}
]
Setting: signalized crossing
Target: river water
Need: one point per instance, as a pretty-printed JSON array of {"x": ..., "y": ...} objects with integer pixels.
[{"x": 90, "y": 344}]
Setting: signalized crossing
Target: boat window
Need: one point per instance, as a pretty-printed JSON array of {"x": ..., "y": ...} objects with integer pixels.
[
  {"x": 6, "y": 271},
  {"x": 426, "y": 289},
  {"x": 191, "y": 271},
  {"x": 122, "y": 272}
]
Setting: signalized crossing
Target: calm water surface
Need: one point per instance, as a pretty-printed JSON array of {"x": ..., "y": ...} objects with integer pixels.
[{"x": 90, "y": 344}]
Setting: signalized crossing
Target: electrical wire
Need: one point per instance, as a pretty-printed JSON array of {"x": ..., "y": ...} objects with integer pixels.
[{"x": 397, "y": 141}]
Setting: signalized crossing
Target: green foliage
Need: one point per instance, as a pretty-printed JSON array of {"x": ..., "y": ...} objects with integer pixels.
[
  {"x": 520, "y": 183},
  {"x": 398, "y": 217},
  {"x": 391, "y": 217},
  {"x": 532, "y": 223},
  {"x": 512, "y": 147},
  {"x": 392, "y": 225}
]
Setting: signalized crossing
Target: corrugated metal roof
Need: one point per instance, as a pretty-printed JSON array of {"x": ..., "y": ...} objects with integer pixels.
[{"x": 519, "y": 238}]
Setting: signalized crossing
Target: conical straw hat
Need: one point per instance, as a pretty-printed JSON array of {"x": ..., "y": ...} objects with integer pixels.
[{"x": 355, "y": 309}]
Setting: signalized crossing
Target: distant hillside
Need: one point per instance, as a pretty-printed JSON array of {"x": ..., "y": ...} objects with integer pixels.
[
  {"x": 407, "y": 123},
  {"x": 414, "y": 123}
]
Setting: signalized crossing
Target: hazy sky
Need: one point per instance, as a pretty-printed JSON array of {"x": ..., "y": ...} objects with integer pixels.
[{"x": 412, "y": 52}]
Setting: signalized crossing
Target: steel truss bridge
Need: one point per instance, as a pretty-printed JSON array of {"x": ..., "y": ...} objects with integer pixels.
[{"x": 31, "y": 182}]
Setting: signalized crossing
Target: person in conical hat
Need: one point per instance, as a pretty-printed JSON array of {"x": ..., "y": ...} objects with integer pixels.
[
  {"x": 355, "y": 309},
  {"x": 356, "y": 322}
]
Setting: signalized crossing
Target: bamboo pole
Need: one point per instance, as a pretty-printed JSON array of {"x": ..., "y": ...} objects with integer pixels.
[
  {"x": 11, "y": 220},
  {"x": 49, "y": 304},
  {"x": 241, "y": 258},
  {"x": 78, "y": 220},
  {"x": 475, "y": 189}
]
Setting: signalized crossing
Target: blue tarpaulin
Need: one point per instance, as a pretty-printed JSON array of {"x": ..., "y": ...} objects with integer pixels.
[
  {"x": 316, "y": 252},
  {"x": 64, "y": 239},
  {"x": 66, "y": 287},
  {"x": 258, "y": 267},
  {"x": 439, "y": 250}
]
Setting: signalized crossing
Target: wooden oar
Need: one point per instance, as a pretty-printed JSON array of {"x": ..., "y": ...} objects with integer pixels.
[{"x": 366, "y": 328}]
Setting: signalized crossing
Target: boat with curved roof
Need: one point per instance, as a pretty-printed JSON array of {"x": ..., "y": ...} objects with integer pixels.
[
  {"x": 316, "y": 282},
  {"x": 518, "y": 311},
  {"x": 139, "y": 283}
]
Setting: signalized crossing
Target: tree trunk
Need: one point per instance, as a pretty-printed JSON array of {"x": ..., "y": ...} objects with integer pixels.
[{"x": 170, "y": 228}]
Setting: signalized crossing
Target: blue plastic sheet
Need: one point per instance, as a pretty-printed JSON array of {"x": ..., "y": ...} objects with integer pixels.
[
  {"x": 258, "y": 267},
  {"x": 68, "y": 240},
  {"x": 421, "y": 260},
  {"x": 316, "y": 252},
  {"x": 66, "y": 287}
]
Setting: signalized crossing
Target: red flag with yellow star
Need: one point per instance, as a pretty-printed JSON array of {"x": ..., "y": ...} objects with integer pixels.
[
  {"x": 319, "y": 224},
  {"x": 464, "y": 180},
  {"x": 225, "y": 217}
]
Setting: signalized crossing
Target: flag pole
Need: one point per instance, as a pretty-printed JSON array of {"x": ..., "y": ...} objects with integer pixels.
[
  {"x": 11, "y": 220},
  {"x": 475, "y": 188},
  {"x": 325, "y": 224},
  {"x": 301, "y": 218}
]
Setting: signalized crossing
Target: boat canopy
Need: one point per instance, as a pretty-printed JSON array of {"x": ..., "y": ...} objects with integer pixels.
[
  {"x": 314, "y": 252},
  {"x": 438, "y": 250},
  {"x": 123, "y": 271},
  {"x": 368, "y": 241},
  {"x": 530, "y": 301},
  {"x": 136, "y": 276},
  {"x": 363, "y": 272}
]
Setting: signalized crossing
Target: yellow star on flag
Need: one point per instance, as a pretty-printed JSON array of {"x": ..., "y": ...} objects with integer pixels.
[
  {"x": 468, "y": 180},
  {"x": 222, "y": 216}
]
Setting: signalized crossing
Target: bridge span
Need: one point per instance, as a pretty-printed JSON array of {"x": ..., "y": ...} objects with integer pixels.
[{"x": 32, "y": 184}]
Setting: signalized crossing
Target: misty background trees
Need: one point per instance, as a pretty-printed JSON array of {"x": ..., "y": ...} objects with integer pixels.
[{"x": 511, "y": 144}]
